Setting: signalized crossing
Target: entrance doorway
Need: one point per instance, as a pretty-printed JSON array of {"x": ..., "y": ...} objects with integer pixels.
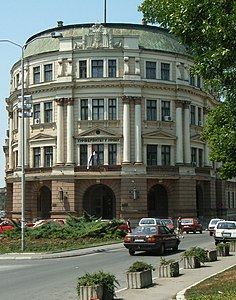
[
  {"x": 44, "y": 202},
  {"x": 158, "y": 202}
]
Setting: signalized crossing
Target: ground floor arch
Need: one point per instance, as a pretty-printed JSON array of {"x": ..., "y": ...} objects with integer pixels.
[
  {"x": 157, "y": 201},
  {"x": 44, "y": 202}
]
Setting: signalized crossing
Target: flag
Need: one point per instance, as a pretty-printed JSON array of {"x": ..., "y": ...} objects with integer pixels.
[{"x": 90, "y": 159}]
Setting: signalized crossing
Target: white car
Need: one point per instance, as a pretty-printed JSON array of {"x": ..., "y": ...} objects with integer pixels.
[
  {"x": 225, "y": 231},
  {"x": 212, "y": 225},
  {"x": 150, "y": 221}
]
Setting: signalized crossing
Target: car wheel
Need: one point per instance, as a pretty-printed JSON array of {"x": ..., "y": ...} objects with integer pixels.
[
  {"x": 200, "y": 231},
  {"x": 194, "y": 231},
  {"x": 216, "y": 243},
  {"x": 211, "y": 233},
  {"x": 131, "y": 252},
  {"x": 175, "y": 248},
  {"x": 187, "y": 232},
  {"x": 162, "y": 249}
]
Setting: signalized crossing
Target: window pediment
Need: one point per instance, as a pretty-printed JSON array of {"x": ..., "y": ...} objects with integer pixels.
[{"x": 159, "y": 134}]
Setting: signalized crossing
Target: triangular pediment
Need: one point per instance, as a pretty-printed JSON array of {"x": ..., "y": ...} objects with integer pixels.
[
  {"x": 159, "y": 134},
  {"x": 196, "y": 137},
  {"x": 98, "y": 132},
  {"x": 41, "y": 137}
]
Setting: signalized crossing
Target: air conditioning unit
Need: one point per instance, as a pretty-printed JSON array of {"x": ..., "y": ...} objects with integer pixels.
[
  {"x": 200, "y": 123},
  {"x": 37, "y": 121},
  {"x": 167, "y": 118}
]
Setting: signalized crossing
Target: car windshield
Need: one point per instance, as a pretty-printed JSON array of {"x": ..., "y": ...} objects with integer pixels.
[
  {"x": 213, "y": 222},
  {"x": 166, "y": 221},
  {"x": 186, "y": 221},
  {"x": 226, "y": 225},
  {"x": 145, "y": 230}
]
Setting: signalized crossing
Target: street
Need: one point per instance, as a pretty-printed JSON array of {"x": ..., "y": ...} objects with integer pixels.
[{"x": 56, "y": 278}]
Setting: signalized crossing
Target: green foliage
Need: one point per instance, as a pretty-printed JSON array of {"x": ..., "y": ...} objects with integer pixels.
[
  {"x": 200, "y": 253},
  {"x": 164, "y": 261},
  {"x": 223, "y": 245},
  {"x": 140, "y": 266},
  {"x": 107, "y": 280}
]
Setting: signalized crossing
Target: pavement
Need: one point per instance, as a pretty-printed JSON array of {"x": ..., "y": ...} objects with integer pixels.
[{"x": 162, "y": 288}]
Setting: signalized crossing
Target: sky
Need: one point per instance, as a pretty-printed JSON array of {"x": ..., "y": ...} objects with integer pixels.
[{"x": 20, "y": 19}]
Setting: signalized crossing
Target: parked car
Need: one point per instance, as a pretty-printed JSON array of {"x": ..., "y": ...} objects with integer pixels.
[
  {"x": 41, "y": 222},
  {"x": 225, "y": 231},
  {"x": 212, "y": 224},
  {"x": 5, "y": 225},
  {"x": 191, "y": 225},
  {"x": 150, "y": 221},
  {"x": 169, "y": 223},
  {"x": 151, "y": 238}
]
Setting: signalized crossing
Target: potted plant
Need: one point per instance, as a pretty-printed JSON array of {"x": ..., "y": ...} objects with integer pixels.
[
  {"x": 139, "y": 275},
  {"x": 223, "y": 249},
  {"x": 97, "y": 285},
  {"x": 168, "y": 268},
  {"x": 193, "y": 257},
  {"x": 232, "y": 247}
]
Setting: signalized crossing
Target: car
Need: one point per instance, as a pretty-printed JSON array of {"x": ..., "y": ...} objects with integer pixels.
[
  {"x": 5, "y": 225},
  {"x": 191, "y": 225},
  {"x": 41, "y": 222},
  {"x": 151, "y": 238},
  {"x": 225, "y": 231},
  {"x": 150, "y": 221},
  {"x": 169, "y": 223},
  {"x": 212, "y": 224}
]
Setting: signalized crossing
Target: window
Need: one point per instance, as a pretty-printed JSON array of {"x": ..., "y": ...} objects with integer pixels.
[
  {"x": 193, "y": 115},
  {"x": 16, "y": 159},
  {"x": 48, "y": 112},
  {"x": 37, "y": 157},
  {"x": 48, "y": 156},
  {"x": 83, "y": 155},
  {"x": 111, "y": 68},
  {"x": 199, "y": 82},
  {"x": 151, "y": 70},
  {"x": 151, "y": 110},
  {"x": 165, "y": 71},
  {"x": 199, "y": 116},
  {"x": 192, "y": 80},
  {"x": 48, "y": 72},
  {"x": 36, "y": 72},
  {"x": 112, "y": 154},
  {"x": 194, "y": 156},
  {"x": 165, "y": 155},
  {"x": 98, "y": 109},
  {"x": 200, "y": 157},
  {"x": 82, "y": 69},
  {"x": 151, "y": 155},
  {"x": 98, "y": 159},
  {"x": 112, "y": 109},
  {"x": 84, "y": 109},
  {"x": 36, "y": 109},
  {"x": 97, "y": 68},
  {"x": 165, "y": 109}
]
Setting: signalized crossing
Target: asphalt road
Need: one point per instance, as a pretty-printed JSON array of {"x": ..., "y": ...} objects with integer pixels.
[{"x": 56, "y": 278}]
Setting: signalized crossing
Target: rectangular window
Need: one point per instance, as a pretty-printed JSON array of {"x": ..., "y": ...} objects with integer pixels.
[
  {"x": 194, "y": 157},
  {"x": 48, "y": 72},
  {"x": 112, "y": 154},
  {"x": 98, "y": 109},
  {"x": 192, "y": 80},
  {"x": 151, "y": 70},
  {"x": 165, "y": 71},
  {"x": 151, "y": 110},
  {"x": 83, "y": 155},
  {"x": 111, "y": 68},
  {"x": 82, "y": 69},
  {"x": 48, "y": 156},
  {"x": 200, "y": 157},
  {"x": 151, "y": 155},
  {"x": 36, "y": 109},
  {"x": 84, "y": 109},
  {"x": 165, "y": 155},
  {"x": 193, "y": 115},
  {"x": 98, "y": 159},
  {"x": 112, "y": 109},
  {"x": 48, "y": 112},
  {"x": 36, "y": 74},
  {"x": 97, "y": 68},
  {"x": 165, "y": 110},
  {"x": 16, "y": 159},
  {"x": 228, "y": 199},
  {"x": 199, "y": 82},
  {"x": 37, "y": 157}
]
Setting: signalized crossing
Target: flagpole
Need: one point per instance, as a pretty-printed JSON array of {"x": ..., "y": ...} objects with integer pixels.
[{"x": 105, "y": 11}]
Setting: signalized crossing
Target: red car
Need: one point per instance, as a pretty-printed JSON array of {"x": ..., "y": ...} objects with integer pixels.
[
  {"x": 169, "y": 223},
  {"x": 4, "y": 226},
  {"x": 191, "y": 225},
  {"x": 41, "y": 222}
]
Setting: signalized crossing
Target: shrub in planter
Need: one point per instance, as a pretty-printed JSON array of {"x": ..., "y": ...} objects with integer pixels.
[
  {"x": 106, "y": 281},
  {"x": 168, "y": 268},
  {"x": 232, "y": 246},
  {"x": 139, "y": 275},
  {"x": 223, "y": 249},
  {"x": 193, "y": 257}
]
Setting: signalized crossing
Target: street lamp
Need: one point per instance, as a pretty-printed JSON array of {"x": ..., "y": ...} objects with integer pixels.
[{"x": 53, "y": 35}]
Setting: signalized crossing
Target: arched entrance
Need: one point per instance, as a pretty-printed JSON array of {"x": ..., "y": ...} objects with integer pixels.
[
  {"x": 99, "y": 201},
  {"x": 44, "y": 202},
  {"x": 158, "y": 202}
]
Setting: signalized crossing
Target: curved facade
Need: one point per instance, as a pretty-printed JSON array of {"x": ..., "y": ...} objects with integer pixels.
[{"x": 115, "y": 126}]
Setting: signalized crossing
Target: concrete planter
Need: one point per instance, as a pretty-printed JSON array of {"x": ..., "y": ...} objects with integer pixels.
[
  {"x": 223, "y": 250},
  {"x": 139, "y": 280},
  {"x": 170, "y": 270},
  {"x": 88, "y": 292},
  {"x": 232, "y": 246},
  {"x": 212, "y": 255},
  {"x": 191, "y": 262}
]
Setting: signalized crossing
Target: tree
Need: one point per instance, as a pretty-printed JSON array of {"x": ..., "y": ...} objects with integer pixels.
[{"x": 208, "y": 29}]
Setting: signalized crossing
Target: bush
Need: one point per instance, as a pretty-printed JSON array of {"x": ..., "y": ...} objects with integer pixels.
[
  {"x": 200, "y": 253},
  {"x": 140, "y": 266}
]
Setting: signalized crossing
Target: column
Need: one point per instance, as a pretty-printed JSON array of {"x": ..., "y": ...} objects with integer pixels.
[
  {"x": 138, "y": 136},
  {"x": 70, "y": 131},
  {"x": 41, "y": 157},
  {"x": 187, "y": 145},
  {"x": 19, "y": 142},
  {"x": 60, "y": 130},
  {"x": 126, "y": 130},
  {"x": 10, "y": 159},
  {"x": 179, "y": 133},
  {"x": 207, "y": 163}
]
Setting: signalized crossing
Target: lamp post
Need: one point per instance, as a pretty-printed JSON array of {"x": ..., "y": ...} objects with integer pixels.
[{"x": 53, "y": 35}]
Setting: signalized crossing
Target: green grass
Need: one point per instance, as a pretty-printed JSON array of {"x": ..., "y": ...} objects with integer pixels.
[{"x": 219, "y": 287}]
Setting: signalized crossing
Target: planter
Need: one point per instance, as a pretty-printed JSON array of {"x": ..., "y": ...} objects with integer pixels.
[
  {"x": 232, "y": 246},
  {"x": 139, "y": 280},
  {"x": 170, "y": 270},
  {"x": 191, "y": 262},
  {"x": 212, "y": 255},
  {"x": 88, "y": 292},
  {"x": 222, "y": 250}
]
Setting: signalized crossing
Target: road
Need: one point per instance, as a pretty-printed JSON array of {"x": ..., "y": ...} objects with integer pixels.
[{"x": 56, "y": 278}]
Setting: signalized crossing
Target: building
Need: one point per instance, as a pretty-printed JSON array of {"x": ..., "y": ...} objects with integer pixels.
[{"x": 115, "y": 127}]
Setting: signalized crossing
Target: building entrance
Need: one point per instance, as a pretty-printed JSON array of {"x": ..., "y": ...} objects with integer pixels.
[
  {"x": 158, "y": 202},
  {"x": 44, "y": 202}
]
